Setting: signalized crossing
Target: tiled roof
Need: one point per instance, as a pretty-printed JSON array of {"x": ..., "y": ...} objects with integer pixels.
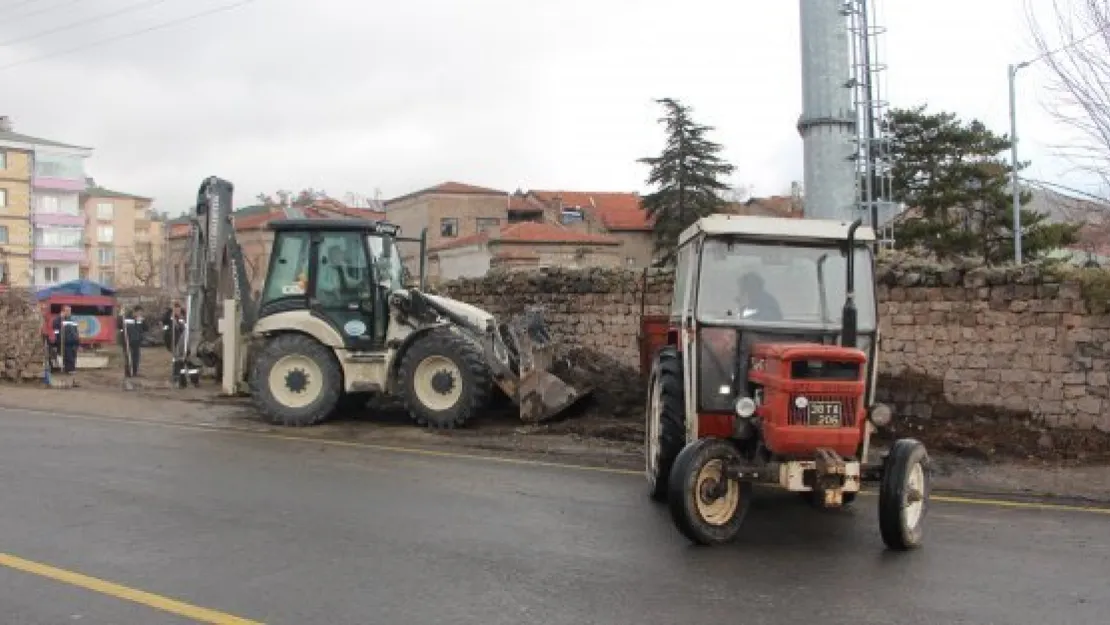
[
  {"x": 534, "y": 233},
  {"x": 450, "y": 188},
  {"x": 614, "y": 210},
  {"x": 257, "y": 217},
  {"x": 771, "y": 206}
]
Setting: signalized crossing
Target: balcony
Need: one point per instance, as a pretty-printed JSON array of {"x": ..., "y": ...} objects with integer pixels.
[
  {"x": 58, "y": 219},
  {"x": 58, "y": 254},
  {"x": 57, "y": 184}
]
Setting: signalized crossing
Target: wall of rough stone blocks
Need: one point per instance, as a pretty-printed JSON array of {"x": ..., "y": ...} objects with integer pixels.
[{"x": 959, "y": 342}]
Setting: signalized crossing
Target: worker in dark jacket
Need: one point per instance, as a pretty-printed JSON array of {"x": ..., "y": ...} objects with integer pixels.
[
  {"x": 132, "y": 328},
  {"x": 173, "y": 326},
  {"x": 67, "y": 339}
]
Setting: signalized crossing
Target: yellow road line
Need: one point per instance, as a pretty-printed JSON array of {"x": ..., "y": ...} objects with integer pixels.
[
  {"x": 416, "y": 451},
  {"x": 201, "y": 615}
]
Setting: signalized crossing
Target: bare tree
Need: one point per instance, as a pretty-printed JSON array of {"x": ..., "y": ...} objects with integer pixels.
[
  {"x": 142, "y": 265},
  {"x": 1077, "y": 55}
]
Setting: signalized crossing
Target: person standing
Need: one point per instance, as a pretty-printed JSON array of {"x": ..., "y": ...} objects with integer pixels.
[
  {"x": 67, "y": 339},
  {"x": 173, "y": 326},
  {"x": 132, "y": 328}
]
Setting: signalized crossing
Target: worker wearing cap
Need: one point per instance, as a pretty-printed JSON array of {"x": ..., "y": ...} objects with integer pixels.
[{"x": 66, "y": 339}]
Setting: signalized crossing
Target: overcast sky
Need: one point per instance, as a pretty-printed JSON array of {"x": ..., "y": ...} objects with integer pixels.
[{"x": 353, "y": 96}]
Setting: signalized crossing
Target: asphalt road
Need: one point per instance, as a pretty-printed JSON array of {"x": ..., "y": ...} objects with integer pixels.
[{"x": 297, "y": 532}]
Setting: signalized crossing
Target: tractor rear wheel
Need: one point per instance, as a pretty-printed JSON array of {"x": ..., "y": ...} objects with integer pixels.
[
  {"x": 665, "y": 427},
  {"x": 444, "y": 379},
  {"x": 707, "y": 507},
  {"x": 295, "y": 381},
  {"x": 904, "y": 495}
]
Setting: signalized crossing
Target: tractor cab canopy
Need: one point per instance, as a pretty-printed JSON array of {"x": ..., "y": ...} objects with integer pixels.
[{"x": 774, "y": 273}]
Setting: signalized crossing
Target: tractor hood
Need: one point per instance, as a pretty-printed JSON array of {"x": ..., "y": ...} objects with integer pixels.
[{"x": 473, "y": 314}]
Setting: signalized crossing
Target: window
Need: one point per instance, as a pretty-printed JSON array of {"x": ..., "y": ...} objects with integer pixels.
[
  {"x": 341, "y": 271},
  {"x": 3, "y": 159},
  {"x": 51, "y": 274},
  {"x": 105, "y": 234},
  {"x": 631, "y": 262},
  {"x": 58, "y": 237},
  {"x": 105, "y": 210},
  {"x": 288, "y": 274},
  {"x": 3, "y": 198},
  {"x": 107, "y": 278},
  {"x": 486, "y": 224},
  {"x": 49, "y": 204},
  {"x": 3, "y": 234},
  {"x": 449, "y": 227},
  {"x": 59, "y": 166},
  {"x": 105, "y": 256},
  {"x": 799, "y": 285}
]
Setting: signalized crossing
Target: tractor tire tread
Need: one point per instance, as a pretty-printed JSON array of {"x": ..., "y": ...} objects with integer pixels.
[
  {"x": 273, "y": 411},
  {"x": 477, "y": 378},
  {"x": 672, "y": 418},
  {"x": 904, "y": 454}
]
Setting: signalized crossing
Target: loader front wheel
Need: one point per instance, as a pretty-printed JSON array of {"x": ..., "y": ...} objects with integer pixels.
[
  {"x": 444, "y": 379},
  {"x": 295, "y": 381},
  {"x": 665, "y": 428},
  {"x": 707, "y": 507}
]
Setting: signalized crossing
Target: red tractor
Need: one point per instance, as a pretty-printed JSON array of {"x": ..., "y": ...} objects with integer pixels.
[{"x": 767, "y": 376}]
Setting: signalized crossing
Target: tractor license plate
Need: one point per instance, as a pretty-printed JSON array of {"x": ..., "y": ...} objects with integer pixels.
[{"x": 825, "y": 414}]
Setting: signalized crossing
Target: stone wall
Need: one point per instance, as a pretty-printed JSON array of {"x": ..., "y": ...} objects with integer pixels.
[
  {"x": 960, "y": 342},
  {"x": 22, "y": 350}
]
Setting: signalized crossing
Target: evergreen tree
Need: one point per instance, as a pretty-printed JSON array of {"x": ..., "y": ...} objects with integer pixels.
[
  {"x": 687, "y": 177},
  {"x": 951, "y": 174}
]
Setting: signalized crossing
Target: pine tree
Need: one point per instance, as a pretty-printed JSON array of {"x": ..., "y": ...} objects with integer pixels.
[
  {"x": 687, "y": 178},
  {"x": 951, "y": 174}
]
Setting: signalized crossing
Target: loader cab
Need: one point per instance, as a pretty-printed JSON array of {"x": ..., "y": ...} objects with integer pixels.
[{"x": 341, "y": 271}]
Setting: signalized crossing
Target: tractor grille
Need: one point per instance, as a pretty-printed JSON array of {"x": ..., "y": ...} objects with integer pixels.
[{"x": 823, "y": 411}]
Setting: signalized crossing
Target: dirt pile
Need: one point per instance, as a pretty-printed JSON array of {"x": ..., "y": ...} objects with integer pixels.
[{"x": 22, "y": 352}]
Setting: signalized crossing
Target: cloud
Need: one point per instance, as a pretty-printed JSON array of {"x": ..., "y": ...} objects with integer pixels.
[{"x": 353, "y": 96}]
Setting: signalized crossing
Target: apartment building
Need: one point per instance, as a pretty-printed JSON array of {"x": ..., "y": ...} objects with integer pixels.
[
  {"x": 41, "y": 182},
  {"x": 124, "y": 239}
]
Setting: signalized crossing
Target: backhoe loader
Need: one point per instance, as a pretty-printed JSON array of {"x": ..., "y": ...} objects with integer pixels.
[{"x": 335, "y": 324}]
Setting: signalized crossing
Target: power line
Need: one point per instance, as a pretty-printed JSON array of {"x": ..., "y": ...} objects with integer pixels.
[
  {"x": 95, "y": 18},
  {"x": 1067, "y": 45},
  {"x": 136, "y": 33}
]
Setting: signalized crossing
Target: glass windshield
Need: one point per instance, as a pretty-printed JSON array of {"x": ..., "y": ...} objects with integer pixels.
[
  {"x": 783, "y": 285},
  {"x": 387, "y": 261}
]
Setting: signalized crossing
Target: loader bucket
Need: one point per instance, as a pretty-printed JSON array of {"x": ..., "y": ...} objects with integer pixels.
[{"x": 540, "y": 394}]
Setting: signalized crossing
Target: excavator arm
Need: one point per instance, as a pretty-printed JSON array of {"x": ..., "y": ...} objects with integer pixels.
[{"x": 217, "y": 271}]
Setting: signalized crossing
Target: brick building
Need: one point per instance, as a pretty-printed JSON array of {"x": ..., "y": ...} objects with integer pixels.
[{"x": 124, "y": 239}]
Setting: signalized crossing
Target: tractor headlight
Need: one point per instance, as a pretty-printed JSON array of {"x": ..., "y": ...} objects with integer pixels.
[
  {"x": 745, "y": 407},
  {"x": 881, "y": 415},
  {"x": 801, "y": 402}
]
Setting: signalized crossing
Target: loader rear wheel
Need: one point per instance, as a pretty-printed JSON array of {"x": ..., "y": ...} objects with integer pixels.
[
  {"x": 295, "y": 381},
  {"x": 707, "y": 507},
  {"x": 666, "y": 423},
  {"x": 904, "y": 495},
  {"x": 444, "y": 379}
]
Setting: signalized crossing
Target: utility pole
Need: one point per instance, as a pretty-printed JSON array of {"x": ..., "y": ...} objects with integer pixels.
[{"x": 1015, "y": 188}]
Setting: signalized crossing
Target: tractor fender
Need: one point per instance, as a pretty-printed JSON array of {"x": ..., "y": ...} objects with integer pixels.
[
  {"x": 299, "y": 321},
  {"x": 406, "y": 343}
]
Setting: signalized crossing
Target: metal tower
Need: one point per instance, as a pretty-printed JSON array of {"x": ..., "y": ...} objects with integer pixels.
[
  {"x": 828, "y": 122},
  {"x": 872, "y": 157}
]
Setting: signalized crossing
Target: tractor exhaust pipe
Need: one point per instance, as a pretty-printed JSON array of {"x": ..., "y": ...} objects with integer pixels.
[{"x": 849, "y": 319}]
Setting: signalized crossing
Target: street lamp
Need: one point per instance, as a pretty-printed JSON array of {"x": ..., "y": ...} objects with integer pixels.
[{"x": 1016, "y": 190}]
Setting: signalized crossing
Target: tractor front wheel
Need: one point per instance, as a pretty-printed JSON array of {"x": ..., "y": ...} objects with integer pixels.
[
  {"x": 444, "y": 379},
  {"x": 295, "y": 381},
  {"x": 665, "y": 427},
  {"x": 904, "y": 495},
  {"x": 707, "y": 507}
]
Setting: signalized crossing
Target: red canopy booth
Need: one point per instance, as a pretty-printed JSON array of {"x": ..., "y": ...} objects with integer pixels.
[{"x": 94, "y": 310}]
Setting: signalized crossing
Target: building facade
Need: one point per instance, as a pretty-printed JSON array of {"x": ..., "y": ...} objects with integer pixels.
[
  {"x": 124, "y": 239},
  {"x": 42, "y": 181}
]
